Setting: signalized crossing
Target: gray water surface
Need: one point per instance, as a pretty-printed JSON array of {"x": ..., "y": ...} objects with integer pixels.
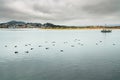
[{"x": 59, "y": 55}]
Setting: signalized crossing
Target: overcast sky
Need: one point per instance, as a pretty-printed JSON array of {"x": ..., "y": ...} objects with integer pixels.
[{"x": 69, "y": 12}]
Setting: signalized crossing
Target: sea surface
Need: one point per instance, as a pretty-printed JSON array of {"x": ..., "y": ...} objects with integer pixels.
[{"x": 36, "y": 54}]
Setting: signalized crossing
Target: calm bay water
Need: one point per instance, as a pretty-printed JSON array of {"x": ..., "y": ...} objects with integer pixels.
[{"x": 59, "y": 55}]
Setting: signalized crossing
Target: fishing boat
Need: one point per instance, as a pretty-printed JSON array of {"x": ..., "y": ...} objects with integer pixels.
[{"x": 106, "y": 30}]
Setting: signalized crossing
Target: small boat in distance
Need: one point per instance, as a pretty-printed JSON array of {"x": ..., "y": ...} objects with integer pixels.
[{"x": 106, "y": 30}]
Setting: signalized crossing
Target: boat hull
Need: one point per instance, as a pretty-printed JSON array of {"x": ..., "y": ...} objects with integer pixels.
[{"x": 106, "y": 31}]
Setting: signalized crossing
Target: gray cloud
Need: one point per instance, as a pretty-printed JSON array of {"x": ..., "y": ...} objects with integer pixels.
[
  {"x": 103, "y": 8},
  {"x": 70, "y": 12}
]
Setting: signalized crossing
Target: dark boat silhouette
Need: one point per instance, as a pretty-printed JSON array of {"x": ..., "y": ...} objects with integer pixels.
[{"x": 106, "y": 30}]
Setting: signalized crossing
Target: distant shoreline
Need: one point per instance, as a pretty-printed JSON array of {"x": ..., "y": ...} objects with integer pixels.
[
  {"x": 64, "y": 28},
  {"x": 77, "y": 28}
]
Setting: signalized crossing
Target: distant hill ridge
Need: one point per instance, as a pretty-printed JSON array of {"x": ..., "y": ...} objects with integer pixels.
[
  {"x": 16, "y": 22},
  {"x": 22, "y": 24}
]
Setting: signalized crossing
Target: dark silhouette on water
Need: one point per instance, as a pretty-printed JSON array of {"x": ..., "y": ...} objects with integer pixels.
[
  {"x": 15, "y": 46},
  {"x": 61, "y": 50},
  {"x": 26, "y": 51},
  {"x": 106, "y": 30},
  {"x": 47, "y": 48},
  {"x": 65, "y": 42},
  {"x": 81, "y": 44},
  {"x": 100, "y": 41},
  {"x": 5, "y": 45},
  {"x": 113, "y": 44},
  {"x": 16, "y": 52},
  {"x": 29, "y": 44},
  {"x": 39, "y": 46},
  {"x": 53, "y": 44},
  {"x": 26, "y": 45},
  {"x": 72, "y": 46},
  {"x": 31, "y": 48}
]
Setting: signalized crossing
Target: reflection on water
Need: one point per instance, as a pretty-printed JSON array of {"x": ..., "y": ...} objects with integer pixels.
[{"x": 59, "y": 55}]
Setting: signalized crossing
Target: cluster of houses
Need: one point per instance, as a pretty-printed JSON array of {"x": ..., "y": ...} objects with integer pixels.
[
  {"x": 20, "y": 24},
  {"x": 17, "y": 24}
]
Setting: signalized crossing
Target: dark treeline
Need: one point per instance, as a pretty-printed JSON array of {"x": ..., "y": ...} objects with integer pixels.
[{"x": 20, "y": 24}]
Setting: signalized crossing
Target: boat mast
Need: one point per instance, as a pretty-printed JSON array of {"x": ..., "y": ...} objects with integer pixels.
[{"x": 105, "y": 27}]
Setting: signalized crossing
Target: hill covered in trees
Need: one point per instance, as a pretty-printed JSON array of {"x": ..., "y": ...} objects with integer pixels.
[{"x": 21, "y": 24}]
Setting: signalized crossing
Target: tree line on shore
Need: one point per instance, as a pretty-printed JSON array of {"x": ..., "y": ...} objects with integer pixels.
[{"x": 20, "y": 24}]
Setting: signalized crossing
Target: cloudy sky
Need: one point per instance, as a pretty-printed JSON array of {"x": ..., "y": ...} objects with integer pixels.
[{"x": 69, "y": 12}]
